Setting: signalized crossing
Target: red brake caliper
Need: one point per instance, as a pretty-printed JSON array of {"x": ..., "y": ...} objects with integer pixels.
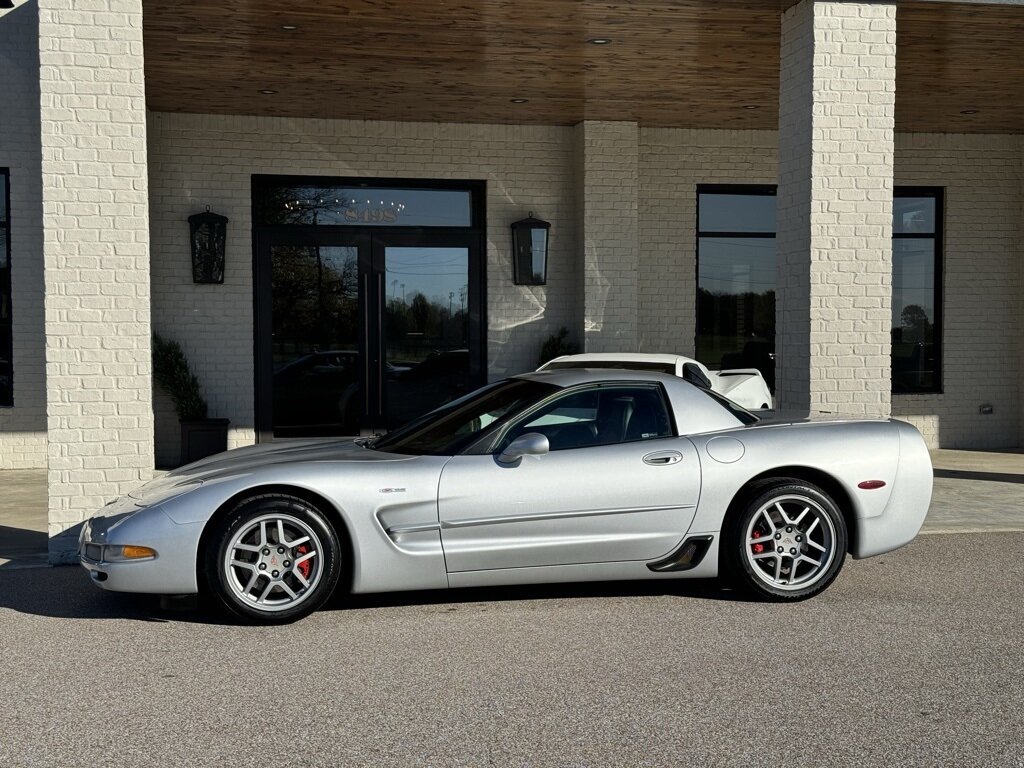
[
  {"x": 306, "y": 566},
  {"x": 758, "y": 548}
]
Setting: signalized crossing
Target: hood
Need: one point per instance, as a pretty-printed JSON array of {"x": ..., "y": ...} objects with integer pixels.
[{"x": 254, "y": 457}]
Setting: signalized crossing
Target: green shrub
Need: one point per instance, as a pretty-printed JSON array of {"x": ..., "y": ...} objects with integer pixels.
[
  {"x": 172, "y": 374},
  {"x": 556, "y": 346}
]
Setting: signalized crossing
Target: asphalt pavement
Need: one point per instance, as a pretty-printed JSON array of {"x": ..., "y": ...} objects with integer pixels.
[{"x": 912, "y": 658}]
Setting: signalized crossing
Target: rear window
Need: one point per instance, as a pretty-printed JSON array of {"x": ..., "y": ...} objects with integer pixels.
[{"x": 739, "y": 412}]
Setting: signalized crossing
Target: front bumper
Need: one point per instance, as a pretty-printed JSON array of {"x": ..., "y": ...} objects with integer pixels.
[{"x": 171, "y": 572}]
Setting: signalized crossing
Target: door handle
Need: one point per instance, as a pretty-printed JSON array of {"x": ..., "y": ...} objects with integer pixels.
[{"x": 661, "y": 458}]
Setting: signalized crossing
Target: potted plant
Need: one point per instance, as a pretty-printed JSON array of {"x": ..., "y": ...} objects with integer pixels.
[{"x": 200, "y": 436}]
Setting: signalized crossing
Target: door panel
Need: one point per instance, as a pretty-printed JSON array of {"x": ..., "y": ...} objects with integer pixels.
[{"x": 580, "y": 505}]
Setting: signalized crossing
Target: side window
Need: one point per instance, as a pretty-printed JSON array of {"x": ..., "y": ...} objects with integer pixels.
[{"x": 597, "y": 416}]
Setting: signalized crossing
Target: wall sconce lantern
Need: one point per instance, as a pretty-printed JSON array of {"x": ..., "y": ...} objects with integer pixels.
[
  {"x": 207, "y": 235},
  {"x": 530, "y": 251}
]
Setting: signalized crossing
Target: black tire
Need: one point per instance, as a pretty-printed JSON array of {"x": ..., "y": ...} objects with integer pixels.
[
  {"x": 756, "y": 517},
  {"x": 287, "y": 600}
]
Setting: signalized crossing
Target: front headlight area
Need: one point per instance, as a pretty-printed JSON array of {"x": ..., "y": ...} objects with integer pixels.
[
  {"x": 137, "y": 549},
  {"x": 94, "y": 542},
  {"x": 117, "y": 553}
]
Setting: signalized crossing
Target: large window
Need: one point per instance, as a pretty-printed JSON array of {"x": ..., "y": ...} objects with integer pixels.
[
  {"x": 6, "y": 341},
  {"x": 916, "y": 290},
  {"x": 736, "y": 277}
]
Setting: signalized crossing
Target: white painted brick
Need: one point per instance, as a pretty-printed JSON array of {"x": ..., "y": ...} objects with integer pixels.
[
  {"x": 200, "y": 160},
  {"x": 835, "y": 152},
  {"x": 23, "y": 426},
  {"x": 607, "y": 177},
  {"x": 80, "y": 337},
  {"x": 673, "y": 162},
  {"x": 982, "y": 304}
]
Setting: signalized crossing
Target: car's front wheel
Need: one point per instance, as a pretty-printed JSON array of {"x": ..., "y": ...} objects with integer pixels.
[
  {"x": 273, "y": 559},
  {"x": 787, "y": 542}
]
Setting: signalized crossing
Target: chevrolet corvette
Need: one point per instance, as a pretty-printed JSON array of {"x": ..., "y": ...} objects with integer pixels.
[{"x": 554, "y": 476}]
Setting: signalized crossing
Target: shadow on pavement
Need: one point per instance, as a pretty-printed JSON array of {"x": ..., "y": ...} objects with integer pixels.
[
  {"x": 67, "y": 593},
  {"x": 17, "y": 543}
]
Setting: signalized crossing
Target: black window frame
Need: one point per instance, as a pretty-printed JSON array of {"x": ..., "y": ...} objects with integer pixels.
[
  {"x": 6, "y": 293},
  {"x": 936, "y": 193},
  {"x": 764, "y": 190},
  {"x": 261, "y": 183},
  {"x": 367, "y": 236}
]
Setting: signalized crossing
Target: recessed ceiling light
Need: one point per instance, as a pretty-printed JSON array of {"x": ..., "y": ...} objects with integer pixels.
[
  {"x": 289, "y": 27},
  {"x": 969, "y": 111},
  {"x": 751, "y": 106},
  {"x": 599, "y": 40},
  {"x": 519, "y": 101},
  {"x": 267, "y": 92}
]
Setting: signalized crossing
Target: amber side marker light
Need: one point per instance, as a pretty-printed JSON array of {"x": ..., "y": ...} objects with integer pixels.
[
  {"x": 870, "y": 485},
  {"x": 132, "y": 552}
]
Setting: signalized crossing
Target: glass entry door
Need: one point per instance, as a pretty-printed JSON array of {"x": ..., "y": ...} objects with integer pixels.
[
  {"x": 315, "y": 354},
  {"x": 362, "y": 332},
  {"x": 425, "y": 331}
]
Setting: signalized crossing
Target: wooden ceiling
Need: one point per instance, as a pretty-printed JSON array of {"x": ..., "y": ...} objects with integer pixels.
[{"x": 685, "y": 63}]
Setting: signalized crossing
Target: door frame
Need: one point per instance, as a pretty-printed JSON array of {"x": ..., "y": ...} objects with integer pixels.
[{"x": 371, "y": 242}]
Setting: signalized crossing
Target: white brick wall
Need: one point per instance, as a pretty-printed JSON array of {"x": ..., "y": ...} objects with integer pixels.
[
  {"x": 673, "y": 161},
  {"x": 200, "y": 160},
  {"x": 983, "y": 256},
  {"x": 837, "y": 88},
  {"x": 982, "y": 320},
  {"x": 95, "y": 257},
  {"x": 607, "y": 176},
  {"x": 23, "y": 426}
]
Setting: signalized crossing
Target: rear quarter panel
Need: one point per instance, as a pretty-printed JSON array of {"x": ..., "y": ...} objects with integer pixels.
[{"x": 849, "y": 452}]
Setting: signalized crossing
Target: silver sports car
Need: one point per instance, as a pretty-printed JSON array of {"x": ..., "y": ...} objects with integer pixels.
[{"x": 575, "y": 475}]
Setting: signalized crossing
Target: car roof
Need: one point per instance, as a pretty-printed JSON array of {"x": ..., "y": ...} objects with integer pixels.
[
  {"x": 570, "y": 377},
  {"x": 631, "y": 357},
  {"x": 698, "y": 408}
]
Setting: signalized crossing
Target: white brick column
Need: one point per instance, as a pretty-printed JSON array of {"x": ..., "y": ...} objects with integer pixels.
[
  {"x": 833, "y": 309},
  {"x": 607, "y": 167},
  {"x": 95, "y": 256}
]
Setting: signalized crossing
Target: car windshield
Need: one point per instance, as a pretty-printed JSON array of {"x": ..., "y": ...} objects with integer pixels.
[{"x": 455, "y": 425}]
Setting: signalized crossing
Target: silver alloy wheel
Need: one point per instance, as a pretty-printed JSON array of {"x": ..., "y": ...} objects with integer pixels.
[
  {"x": 274, "y": 562},
  {"x": 790, "y": 542}
]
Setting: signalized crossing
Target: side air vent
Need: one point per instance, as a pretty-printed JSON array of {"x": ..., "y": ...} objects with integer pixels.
[{"x": 687, "y": 556}]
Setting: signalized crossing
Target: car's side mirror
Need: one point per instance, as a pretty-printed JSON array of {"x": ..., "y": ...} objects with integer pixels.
[{"x": 530, "y": 444}]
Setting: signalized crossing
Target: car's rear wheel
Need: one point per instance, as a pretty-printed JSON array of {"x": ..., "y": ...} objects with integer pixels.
[
  {"x": 788, "y": 542},
  {"x": 273, "y": 559}
]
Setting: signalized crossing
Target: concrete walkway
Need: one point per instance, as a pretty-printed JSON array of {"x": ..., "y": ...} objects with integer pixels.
[
  {"x": 975, "y": 491},
  {"x": 22, "y": 518}
]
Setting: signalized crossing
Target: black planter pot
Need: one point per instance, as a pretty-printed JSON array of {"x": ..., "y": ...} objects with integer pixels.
[{"x": 203, "y": 437}]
